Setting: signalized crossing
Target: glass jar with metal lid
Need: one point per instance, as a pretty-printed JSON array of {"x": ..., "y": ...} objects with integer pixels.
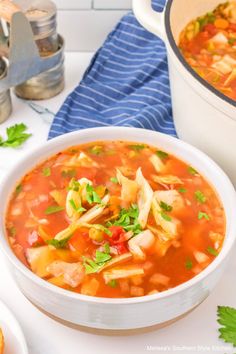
[
  {"x": 5, "y": 96},
  {"x": 42, "y": 15}
]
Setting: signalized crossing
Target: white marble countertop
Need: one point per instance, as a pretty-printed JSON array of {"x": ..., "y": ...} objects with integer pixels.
[{"x": 196, "y": 333}]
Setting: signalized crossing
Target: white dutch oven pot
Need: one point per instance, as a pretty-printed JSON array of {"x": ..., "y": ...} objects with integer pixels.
[{"x": 203, "y": 116}]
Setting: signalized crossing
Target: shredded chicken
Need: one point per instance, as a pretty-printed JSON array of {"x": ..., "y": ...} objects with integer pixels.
[
  {"x": 171, "y": 197},
  {"x": 73, "y": 273}
]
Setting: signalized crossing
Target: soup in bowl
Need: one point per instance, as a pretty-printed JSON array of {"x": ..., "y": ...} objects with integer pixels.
[{"x": 117, "y": 228}]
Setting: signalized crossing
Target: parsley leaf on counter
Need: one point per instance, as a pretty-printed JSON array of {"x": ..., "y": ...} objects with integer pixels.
[
  {"x": 16, "y": 136},
  {"x": 227, "y": 318}
]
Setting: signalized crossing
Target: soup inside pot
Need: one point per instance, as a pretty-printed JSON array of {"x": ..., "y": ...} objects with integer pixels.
[
  {"x": 115, "y": 219},
  {"x": 208, "y": 44}
]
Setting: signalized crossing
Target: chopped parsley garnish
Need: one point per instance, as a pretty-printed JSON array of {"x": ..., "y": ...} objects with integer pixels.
[
  {"x": 202, "y": 215},
  {"x": 78, "y": 208},
  {"x": 18, "y": 189},
  {"x": 201, "y": 198},
  {"x": 165, "y": 216},
  {"x": 12, "y": 231},
  {"x": 192, "y": 171},
  {"x": 58, "y": 243},
  {"x": 182, "y": 190},
  {"x": 94, "y": 265},
  {"x": 68, "y": 173},
  {"x": 106, "y": 247},
  {"x": 74, "y": 185},
  {"x": 227, "y": 319},
  {"x": 16, "y": 136},
  {"x": 137, "y": 147},
  {"x": 112, "y": 283},
  {"x": 212, "y": 251},
  {"x": 114, "y": 180},
  {"x": 232, "y": 41},
  {"x": 165, "y": 206},
  {"x": 162, "y": 155},
  {"x": 47, "y": 171},
  {"x": 91, "y": 195},
  {"x": 53, "y": 209},
  {"x": 128, "y": 219},
  {"x": 188, "y": 264},
  {"x": 96, "y": 150}
]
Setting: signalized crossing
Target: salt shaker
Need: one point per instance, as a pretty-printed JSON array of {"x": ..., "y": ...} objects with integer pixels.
[
  {"x": 42, "y": 15},
  {"x": 5, "y": 96}
]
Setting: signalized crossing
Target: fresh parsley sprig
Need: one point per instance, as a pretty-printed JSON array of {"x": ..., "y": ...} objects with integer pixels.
[
  {"x": 101, "y": 258},
  {"x": 16, "y": 136},
  {"x": 59, "y": 243},
  {"x": 227, "y": 319},
  {"x": 128, "y": 219},
  {"x": 91, "y": 195}
]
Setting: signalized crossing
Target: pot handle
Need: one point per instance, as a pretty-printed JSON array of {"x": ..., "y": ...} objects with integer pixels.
[{"x": 152, "y": 20}]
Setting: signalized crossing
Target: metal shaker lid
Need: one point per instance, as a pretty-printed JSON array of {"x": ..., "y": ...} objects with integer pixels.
[{"x": 41, "y": 15}]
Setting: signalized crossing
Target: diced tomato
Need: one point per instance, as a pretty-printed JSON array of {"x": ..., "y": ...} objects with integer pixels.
[
  {"x": 118, "y": 234},
  {"x": 117, "y": 239},
  {"x": 121, "y": 248},
  {"x": 204, "y": 36},
  {"x": 34, "y": 239},
  {"x": 210, "y": 28},
  {"x": 232, "y": 27},
  {"x": 79, "y": 241}
]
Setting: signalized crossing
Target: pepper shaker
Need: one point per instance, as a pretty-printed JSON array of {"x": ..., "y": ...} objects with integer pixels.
[{"x": 42, "y": 15}]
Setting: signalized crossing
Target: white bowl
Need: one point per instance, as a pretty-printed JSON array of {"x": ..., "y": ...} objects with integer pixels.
[
  {"x": 14, "y": 339},
  {"x": 203, "y": 116},
  {"x": 130, "y": 313}
]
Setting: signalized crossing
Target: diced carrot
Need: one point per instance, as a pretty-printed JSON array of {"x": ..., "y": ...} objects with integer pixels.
[
  {"x": 90, "y": 288},
  {"x": 159, "y": 279},
  {"x": 136, "y": 291},
  {"x": 124, "y": 285},
  {"x": 221, "y": 23},
  {"x": 137, "y": 280},
  {"x": 1, "y": 342}
]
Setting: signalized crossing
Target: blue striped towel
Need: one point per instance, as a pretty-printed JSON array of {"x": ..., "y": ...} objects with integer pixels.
[{"x": 126, "y": 84}]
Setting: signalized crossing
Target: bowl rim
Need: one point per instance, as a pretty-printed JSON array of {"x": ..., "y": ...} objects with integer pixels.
[{"x": 45, "y": 149}]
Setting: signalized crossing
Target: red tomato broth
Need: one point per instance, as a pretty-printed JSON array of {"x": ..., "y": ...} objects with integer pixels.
[
  {"x": 207, "y": 44},
  {"x": 178, "y": 263}
]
